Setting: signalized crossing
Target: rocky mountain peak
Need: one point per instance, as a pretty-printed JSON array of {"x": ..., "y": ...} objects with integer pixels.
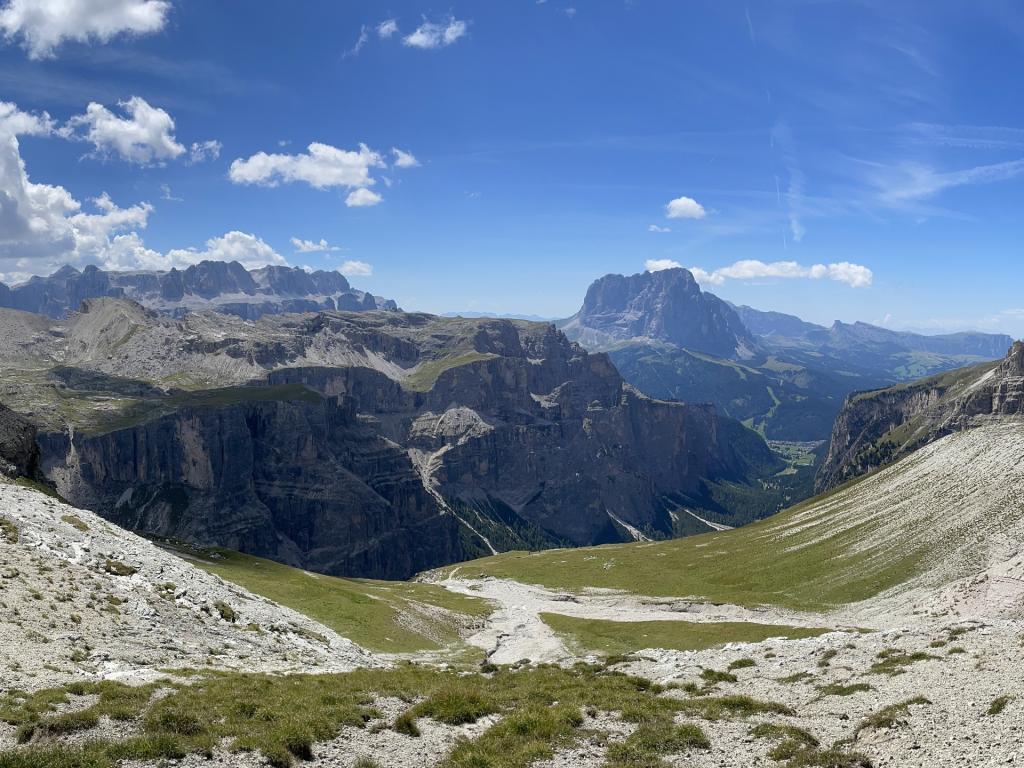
[
  {"x": 666, "y": 306},
  {"x": 1013, "y": 363},
  {"x": 223, "y": 286}
]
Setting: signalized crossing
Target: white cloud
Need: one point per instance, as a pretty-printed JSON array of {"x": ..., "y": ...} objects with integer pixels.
[
  {"x": 43, "y": 25},
  {"x": 854, "y": 275},
  {"x": 248, "y": 250},
  {"x": 387, "y": 28},
  {"x": 912, "y": 181},
  {"x": 404, "y": 159},
  {"x": 356, "y": 269},
  {"x": 43, "y": 227},
  {"x": 656, "y": 265},
  {"x": 364, "y": 37},
  {"x": 311, "y": 246},
  {"x": 322, "y": 166},
  {"x": 362, "y": 198},
  {"x": 430, "y": 35},
  {"x": 684, "y": 208},
  {"x": 145, "y": 136},
  {"x": 201, "y": 151},
  {"x": 656, "y": 228},
  {"x": 14, "y": 122},
  {"x": 167, "y": 194}
]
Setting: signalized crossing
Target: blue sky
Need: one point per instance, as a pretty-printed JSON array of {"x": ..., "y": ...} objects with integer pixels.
[{"x": 838, "y": 160}]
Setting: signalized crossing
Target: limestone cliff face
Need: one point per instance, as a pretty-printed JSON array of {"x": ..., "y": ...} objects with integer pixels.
[
  {"x": 19, "y": 454},
  {"x": 374, "y": 444},
  {"x": 301, "y": 482},
  {"x": 877, "y": 427},
  {"x": 666, "y": 306}
]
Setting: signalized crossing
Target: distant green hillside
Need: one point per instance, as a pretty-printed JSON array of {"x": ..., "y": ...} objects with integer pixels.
[{"x": 906, "y": 523}]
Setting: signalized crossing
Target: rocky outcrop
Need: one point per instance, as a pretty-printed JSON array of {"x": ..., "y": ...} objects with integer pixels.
[
  {"x": 19, "y": 453},
  {"x": 123, "y": 608},
  {"x": 367, "y": 444},
  {"x": 877, "y": 427},
  {"x": 223, "y": 286},
  {"x": 304, "y": 483},
  {"x": 665, "y": 306}
]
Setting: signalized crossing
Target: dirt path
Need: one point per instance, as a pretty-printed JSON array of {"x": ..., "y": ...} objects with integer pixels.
[{"x": 516, "y": 630}]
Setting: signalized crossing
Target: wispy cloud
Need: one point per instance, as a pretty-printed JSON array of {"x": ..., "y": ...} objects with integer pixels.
[
  {"x": 853, "y": 275},
  {"x": 311, "y": 246},
  {"x": 909, "y": 182},
  {"x": 364, "y": 37}
]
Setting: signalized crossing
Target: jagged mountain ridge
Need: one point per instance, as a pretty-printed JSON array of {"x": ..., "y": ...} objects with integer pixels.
[
  {"x": 880, "y": 426},
  {"x": 775, "y": 372},
  {"x": 224, "y": 286},
  {"x": 376, "y": 443}
]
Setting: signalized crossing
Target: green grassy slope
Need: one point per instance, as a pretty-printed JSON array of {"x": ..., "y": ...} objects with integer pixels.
[
  {"x": 933, "y": 515},
  {"x": 386, "y": 616}
]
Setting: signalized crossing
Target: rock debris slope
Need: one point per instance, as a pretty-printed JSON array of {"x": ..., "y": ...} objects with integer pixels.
[
  {"x": 879, "y": 426},
  {"x": 82, "y": 598}
]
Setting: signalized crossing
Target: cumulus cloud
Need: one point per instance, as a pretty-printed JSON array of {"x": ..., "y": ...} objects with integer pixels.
[
  {"x": 387, "y": 28},
  {"x": 656, "y": 228},
  {"x": 430, "y": 35},
  {"x": 362, "y": 198},
  {"x": 656, "y": 265},
  {"x": 14, "y": 122},
  {"x": 404, "y": 159},
  {"x": 248, "y": 250},
  {"x": 42, "y": 226},
  {"x": 684, "y": 208},
  {"x": 144, "y": 136},
  {"x": 853, "y": 275},
  {"x": 356, "y": 269},
  {"x": 311, "y": 246},
  {"x": 42, "y": 25},
  {"x": 322, "y": 166},
  {"x": 201, "y": 151}
]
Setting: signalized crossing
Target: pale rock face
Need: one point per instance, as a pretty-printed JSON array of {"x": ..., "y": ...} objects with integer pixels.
[
  {"x": 877, "y": 427},
  {"x": 223, "y": 286},
  {"x": 158, "y": 612},
  {"x": 665, "y": 306}
]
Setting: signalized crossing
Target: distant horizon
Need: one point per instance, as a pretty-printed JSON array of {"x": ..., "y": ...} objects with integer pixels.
[
  {"x": 483, "y": 313},
  {"x": 828, "y": 160}
]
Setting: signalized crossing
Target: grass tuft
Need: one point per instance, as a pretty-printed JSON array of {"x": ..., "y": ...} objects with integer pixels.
[
  {"x": 892, "y": 716},
  {"x": 117, "y": 568},
  {"x": 741, "y": 664},
  {"x": 999, "y": 704},
  {"x": 892, "y": 661},
  {"x": 9, "y": 531}
]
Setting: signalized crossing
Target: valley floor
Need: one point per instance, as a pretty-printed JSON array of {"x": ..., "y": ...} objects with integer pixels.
[{"x": 919, "y": 664}]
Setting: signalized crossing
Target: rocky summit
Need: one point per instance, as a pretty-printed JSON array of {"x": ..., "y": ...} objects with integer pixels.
[
  {"x": 226, "y": 287},
  {"x": 780, "y": 375},
  {"x": 665, "y": 306}
]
